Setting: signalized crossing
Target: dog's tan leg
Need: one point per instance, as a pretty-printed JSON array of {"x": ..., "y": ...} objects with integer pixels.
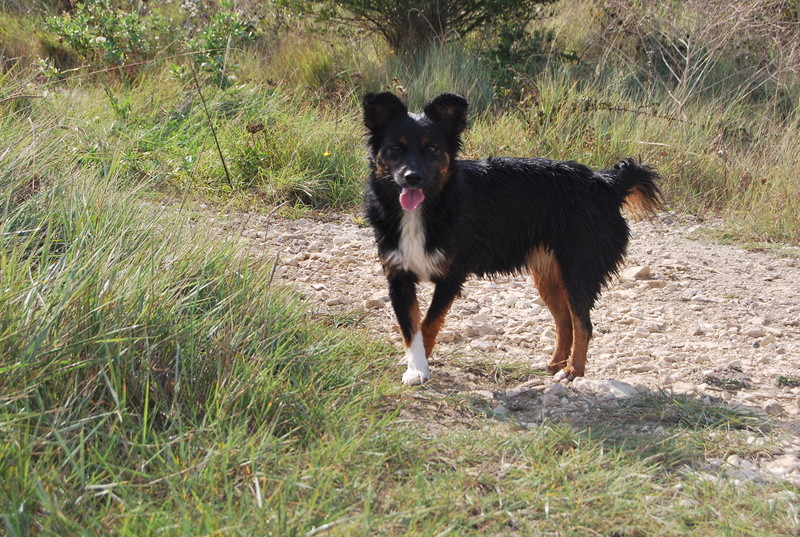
[
  {"x": 430, "y": 329},
  {"x": 580, "y": 345},
  {"x": 446, "y": 291},
  {"x": 547, "y": 277}
]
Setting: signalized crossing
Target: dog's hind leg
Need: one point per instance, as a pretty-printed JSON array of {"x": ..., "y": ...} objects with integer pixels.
[
  {"x": 581, "y": 334},
  {"x": 549, "y": 280},
  {"x": 403, "y": 295}
]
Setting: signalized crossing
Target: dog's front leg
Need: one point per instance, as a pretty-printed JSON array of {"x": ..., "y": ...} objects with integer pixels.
[
  {"x": 403, "y": 294},
  {"x": 446, "y": 291}
]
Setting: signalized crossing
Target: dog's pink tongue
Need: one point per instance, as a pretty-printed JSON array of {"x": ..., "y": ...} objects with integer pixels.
[{"x": 411, "y": 198}]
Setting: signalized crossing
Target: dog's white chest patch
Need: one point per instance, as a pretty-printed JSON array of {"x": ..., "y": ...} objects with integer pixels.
[{"x": 410, "y": 254}]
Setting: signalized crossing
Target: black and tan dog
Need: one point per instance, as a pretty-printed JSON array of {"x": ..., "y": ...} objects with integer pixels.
[{"x": 442, "y": 219}]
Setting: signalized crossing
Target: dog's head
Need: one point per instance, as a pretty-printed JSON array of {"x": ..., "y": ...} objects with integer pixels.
[{"x": 414, "y": 151}]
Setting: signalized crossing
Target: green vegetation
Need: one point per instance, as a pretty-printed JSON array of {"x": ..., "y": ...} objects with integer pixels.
[{"x": 156, "y": 380}]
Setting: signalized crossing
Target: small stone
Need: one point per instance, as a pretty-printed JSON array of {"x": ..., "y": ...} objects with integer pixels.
[
  {"x": 666, "y": 379},
  {"x": 740, "y": 477},
  {"x": 684, "y": 387},
  {"x": 447, "y": 336},
  {"x": 688, "y": 502},
  {"x": 500, "y": 411},
  {"x": 772, "y": 407},
  {"x": 734, "y": 460},
  {"x": 615, "y": 388},
  {"x": 642, "y": 368},
  {"x": 373, "y": 303},
  {"x": 336, "y": 301},
  {"x": 515, "y": 392},
  {"x": 559, "y": 390},
  {"x": 483, "y": 345},
  {"x": 318, "y": 286},
  {"x": 486, "y": 394},
  {"x": 755, "y": 331},
  {"x": 769, "y": 339},
  {"x": 655, "y": 284},
  {"x": 699, "y": 330},
  {"x": 789, "y": 463},
  {"x": 641, "y": 332},
  {"x": 550, "y": 400},
  {"x": 635, "y": 273}
]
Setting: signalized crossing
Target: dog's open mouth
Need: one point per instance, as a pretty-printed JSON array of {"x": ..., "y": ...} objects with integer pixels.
[{"x": 411, "y": 198}]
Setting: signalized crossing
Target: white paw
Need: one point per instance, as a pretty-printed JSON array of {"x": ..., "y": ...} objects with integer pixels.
[
  {"x": 417, "y": 371},
  {"x": 562, "y": 375},
  {"x": 414, "y": 377}
]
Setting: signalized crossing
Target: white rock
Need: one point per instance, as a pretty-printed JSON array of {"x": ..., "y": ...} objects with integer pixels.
[
  {"x": 734, "y": 460},
  {"x": 635, "y": 273},
  {"x": 769, "y": 339},
  {"x": 615, "y": 388},
  {"x": 789, "y": 463},
  {"x": 666, "y": 379},
  {"x": 514, "y": 392},
  {"x": 483, "y": 345},
  {"x": 755, "y": 331},
  {"x": 641, "y": 368},
  {"x": 684, "y": 387},
  {"x": 641, "y": 332}
]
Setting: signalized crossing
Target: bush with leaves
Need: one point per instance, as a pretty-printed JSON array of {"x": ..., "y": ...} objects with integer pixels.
[
  {"x": 410, "y": 26},
  {"x": 105, "y": 36},
  {"x": 212, "y": 45}
]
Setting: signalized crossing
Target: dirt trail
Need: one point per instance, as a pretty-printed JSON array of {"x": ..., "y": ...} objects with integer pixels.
[{"x": 709, "y": 320}]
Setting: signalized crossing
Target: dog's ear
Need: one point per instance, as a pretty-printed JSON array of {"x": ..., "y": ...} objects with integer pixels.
[
  {"x": 381, "y": 108},
  {"x": 449, "y": 109}
]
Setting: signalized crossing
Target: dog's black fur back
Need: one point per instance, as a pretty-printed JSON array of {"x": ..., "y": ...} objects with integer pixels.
[{"x": 494, "y": 216}]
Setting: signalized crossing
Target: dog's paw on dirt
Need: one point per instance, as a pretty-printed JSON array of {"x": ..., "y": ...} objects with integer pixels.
[{"x": 415, "y": 377}]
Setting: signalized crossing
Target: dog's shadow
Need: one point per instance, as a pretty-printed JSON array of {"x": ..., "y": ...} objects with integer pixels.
[{"x": 673, "y": 430}]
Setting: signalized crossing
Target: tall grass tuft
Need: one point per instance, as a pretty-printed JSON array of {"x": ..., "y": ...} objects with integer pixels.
[{"x": 136, "y": 349}]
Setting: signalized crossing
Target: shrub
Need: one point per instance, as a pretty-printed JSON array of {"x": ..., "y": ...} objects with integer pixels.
[
  {"x": 409, "y": 27},
  {"x": 105, "y": 36}
]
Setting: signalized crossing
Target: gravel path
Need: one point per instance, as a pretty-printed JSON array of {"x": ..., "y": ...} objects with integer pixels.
[{"x": 686, "y": 315}]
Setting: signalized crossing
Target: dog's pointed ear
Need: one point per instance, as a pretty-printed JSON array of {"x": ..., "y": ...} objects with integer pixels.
[
  {"x": 449, "y": 109},
  {"x": 381, "y": 108}
]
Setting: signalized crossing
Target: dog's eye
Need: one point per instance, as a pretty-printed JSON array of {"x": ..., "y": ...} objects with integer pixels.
[
  {"x": 394, "y": 149},
  {"x": 431, "y": 149}
]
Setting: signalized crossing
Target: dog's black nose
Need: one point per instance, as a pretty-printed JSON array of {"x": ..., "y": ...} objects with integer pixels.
[{"x": 412, "y": 179}]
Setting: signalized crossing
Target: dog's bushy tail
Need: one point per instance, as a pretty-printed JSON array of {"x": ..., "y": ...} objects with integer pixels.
[{"x": 637, "y": 188}]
